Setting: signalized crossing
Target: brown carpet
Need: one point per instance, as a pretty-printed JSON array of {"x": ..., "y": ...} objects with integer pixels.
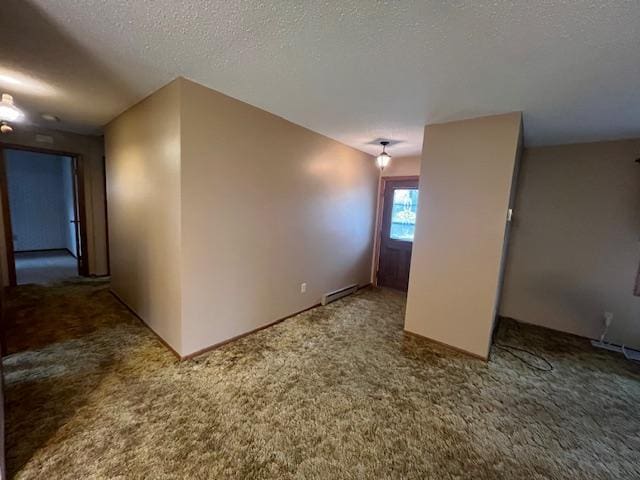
[{"x": 336, "y": 392}]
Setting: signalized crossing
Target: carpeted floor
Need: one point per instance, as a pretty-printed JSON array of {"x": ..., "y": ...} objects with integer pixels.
[
  {"x": 45, "y": 266},
  {"x": 337, "y": 392}
]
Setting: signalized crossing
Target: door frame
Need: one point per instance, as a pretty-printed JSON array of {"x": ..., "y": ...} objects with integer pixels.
[
  {"x": 3, "y": 352},
  {"x": 81, "y": 210},
  {"x": 379, "y": 218}
]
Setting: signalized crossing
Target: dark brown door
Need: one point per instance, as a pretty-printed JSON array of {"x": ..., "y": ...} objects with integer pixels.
[{"x": 400, "y": 201}]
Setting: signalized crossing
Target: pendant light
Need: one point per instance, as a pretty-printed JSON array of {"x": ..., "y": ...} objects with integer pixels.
[
  {"x": 8, "y": 111},
  {"x": 384, "y": 158}
]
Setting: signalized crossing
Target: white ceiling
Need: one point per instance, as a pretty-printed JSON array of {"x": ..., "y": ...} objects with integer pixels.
[{"x": 354, "y": 71}]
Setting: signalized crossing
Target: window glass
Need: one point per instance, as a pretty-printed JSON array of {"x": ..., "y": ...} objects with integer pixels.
[{"x": 403, "y": 214}]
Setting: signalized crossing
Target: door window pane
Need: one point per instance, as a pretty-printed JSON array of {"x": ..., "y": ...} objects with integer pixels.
[{"x": 403, "y": 214}]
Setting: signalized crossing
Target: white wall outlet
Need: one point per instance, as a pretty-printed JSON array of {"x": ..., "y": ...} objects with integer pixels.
[
  {"x": 608, "y": 318},
  {"x": 303, "y": 287}
]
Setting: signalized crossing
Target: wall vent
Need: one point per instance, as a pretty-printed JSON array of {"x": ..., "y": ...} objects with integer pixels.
[{"x": 343, "y": 292}]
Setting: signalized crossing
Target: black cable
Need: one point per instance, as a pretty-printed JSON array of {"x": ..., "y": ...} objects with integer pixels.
[{"x": 509, "y": 348}]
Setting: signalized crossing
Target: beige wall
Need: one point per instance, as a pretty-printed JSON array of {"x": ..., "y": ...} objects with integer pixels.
[
  {"x": 403, "y": 167},
  {"x": 218, "y": 211},
  {"x": 143, "y": 191},
  {"x": 575, "y": 240},
  {"x": 92, "y": 150},
  {"x": 465, "y": 186},
  {"x": 267, "y": 205}
]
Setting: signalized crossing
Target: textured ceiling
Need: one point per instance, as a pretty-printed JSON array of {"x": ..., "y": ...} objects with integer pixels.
[{"x": 354, "y": 71}]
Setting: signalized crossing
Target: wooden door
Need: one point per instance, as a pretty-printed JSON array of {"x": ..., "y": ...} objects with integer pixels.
[{"x": 399, "y": 206}]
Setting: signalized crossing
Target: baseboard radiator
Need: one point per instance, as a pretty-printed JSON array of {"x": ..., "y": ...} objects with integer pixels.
[{"x": 343, "y": 292}]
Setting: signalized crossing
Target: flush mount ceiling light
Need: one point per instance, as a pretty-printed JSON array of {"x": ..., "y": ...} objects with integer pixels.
[
  {"x": 8, "y": 111},
  {"x": 384, "y": 158},
  {"x": 5, "y": 127}
]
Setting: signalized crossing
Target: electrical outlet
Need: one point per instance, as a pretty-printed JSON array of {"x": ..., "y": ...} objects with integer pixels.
[
  {"x": 303, "y": 287},
  {"x": 608, "y": 318}
]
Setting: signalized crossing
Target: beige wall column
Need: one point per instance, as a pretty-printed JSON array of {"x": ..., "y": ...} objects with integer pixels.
[
  {"x": 465, "y": 187},
  {"x": 143, "y": 173},
  {"x": 220, "y": 211}
]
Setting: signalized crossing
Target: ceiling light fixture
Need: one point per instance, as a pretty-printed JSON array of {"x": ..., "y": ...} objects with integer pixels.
[
  {"x": 384, "y": 158},
  {"x": 8, "y": 111},
  {"x": 5, "y": 128}
]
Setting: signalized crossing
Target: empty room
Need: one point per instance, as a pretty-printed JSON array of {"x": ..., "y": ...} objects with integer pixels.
[
  {"x": 320, "y": 240},
  {"x": 43, "y": 224}
]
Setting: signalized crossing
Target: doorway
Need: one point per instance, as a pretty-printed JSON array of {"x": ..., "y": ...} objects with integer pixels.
[
  {"x": 42, "y": 208},
  {"x": 397, "y": 228}
]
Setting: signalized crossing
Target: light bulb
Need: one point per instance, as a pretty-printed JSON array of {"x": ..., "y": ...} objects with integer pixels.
[
  {"x": 8, "y": 110},
  {"x": 383, "y": 159}
]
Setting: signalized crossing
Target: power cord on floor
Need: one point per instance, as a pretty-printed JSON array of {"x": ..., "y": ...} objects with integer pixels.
[{"x": 511, "y": 350}]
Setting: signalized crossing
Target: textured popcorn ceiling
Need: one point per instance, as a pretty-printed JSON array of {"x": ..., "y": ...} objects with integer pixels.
[{"x": 355, "y": 71}]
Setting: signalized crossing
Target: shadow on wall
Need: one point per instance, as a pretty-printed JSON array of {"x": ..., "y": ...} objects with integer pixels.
[{"x": 54, "y": 58}]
